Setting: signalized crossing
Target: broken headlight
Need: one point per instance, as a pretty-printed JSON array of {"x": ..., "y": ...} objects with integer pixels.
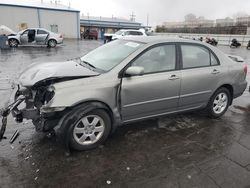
[{"x": 44, "y": 95}]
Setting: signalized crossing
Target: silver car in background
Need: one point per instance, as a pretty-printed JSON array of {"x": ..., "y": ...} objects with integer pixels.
[
  {"x": 124, "y": 81},
  {"x": 35, "y": 36}
]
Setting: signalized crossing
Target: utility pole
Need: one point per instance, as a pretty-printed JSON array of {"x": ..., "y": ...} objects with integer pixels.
[
  {"x": 147, "y": 19},
  {"x": 132, "y": 17}
]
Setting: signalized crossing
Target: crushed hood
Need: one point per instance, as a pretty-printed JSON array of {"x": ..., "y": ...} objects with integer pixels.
[{"x": 54, "y": 70}]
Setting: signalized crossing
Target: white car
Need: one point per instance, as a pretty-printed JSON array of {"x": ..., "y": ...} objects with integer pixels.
[
  {"x": 122, "y": 33},
  {"x": 35, "y": 36}
]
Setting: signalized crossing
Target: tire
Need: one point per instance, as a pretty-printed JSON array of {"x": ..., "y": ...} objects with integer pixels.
[
  {"x": 13, "y": 43},
  {"x": 87, "y": 130},
  {"x": 219, "y": 102},
  {"x": 52, "y": 43}
]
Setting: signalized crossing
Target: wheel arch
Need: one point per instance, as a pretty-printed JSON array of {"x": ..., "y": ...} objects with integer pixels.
[
  {"x": 96, "y": 104},
  {"x": 86, "y": 106},
  {"x": 230, "y": 89},
  {"x": 52, "y": 38},
  {"x": 13, "y": 38}
]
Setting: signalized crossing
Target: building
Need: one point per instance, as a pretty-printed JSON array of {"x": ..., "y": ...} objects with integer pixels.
[
  {"x": 107, "y": 25},
  {"x": 198, "y": 22},
  {"x": 225, "y": 22},
  {"x": 190, "y": 22},
  {"x": 52, "y": 16},
  {"x": 243, "y": 21},
  {"x": 173, "y": 24}
]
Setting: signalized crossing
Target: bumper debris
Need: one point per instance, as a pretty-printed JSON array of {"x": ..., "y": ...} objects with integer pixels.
[{"x": 5, "y": 112}]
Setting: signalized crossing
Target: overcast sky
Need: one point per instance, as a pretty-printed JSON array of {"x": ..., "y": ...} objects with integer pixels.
[{"x": 160, "y": 10}]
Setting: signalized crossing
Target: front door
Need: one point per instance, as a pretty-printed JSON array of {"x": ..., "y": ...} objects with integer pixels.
[
  {"x": 157, "y": 90},
  {"x": 24, "y": 37}
]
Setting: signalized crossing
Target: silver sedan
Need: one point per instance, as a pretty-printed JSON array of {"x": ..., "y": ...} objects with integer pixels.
[
  {"x": 124, "y": 81},
  {"x": 35, "y": 36}
]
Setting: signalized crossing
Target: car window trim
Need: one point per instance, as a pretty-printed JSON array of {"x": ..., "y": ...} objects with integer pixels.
[
  {"x": 42, "y": 33},
  {"x": 177, "y": 67},
  {"x": 179, "y": 44},
  {"x": 25, "y": 31},
  {"x": 218, "y": 62}
]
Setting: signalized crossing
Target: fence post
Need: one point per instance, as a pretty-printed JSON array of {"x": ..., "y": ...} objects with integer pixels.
[{"x": 243, "y": 40}]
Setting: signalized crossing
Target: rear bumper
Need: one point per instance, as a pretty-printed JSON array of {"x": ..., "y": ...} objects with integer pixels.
[
  {"x": 60, "y": 41},
  {"x": 239, "y": 89}
]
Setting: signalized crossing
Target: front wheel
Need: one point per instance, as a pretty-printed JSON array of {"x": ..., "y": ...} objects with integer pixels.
[
  {"x": 52, "y": 43},
  {"x": 88, "y": 130},
  {"x": 219, "y": 103},
  {"x": 13, "y": 43}
]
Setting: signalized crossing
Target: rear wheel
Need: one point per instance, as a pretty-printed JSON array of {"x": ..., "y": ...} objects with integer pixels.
[
  {"x": 13, "y": 43},
  {"x": 219, "y": 103},
  {"x": 88, "y": 130},
  {"x": 52, "y": 43}
]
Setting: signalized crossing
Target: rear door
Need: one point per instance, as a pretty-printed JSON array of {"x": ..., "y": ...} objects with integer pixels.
[
  {"x": 157, "y": 91},
  {"x": 200, "y": 75},
  {"x": 41, "y": 36}
]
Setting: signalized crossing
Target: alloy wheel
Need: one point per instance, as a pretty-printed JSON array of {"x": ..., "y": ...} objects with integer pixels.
[
  {"x": 89, "y": 129},
  {"x": 13, "y": 43},
  {"x": 220, "y": 103},
  {"x": 52, "y": 43}
]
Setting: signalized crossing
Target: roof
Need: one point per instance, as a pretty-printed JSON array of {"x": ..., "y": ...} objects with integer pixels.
[
  {"x": 132, "y": 30},
  {"x": 37, "y": 4},
  {"x": 109, "y": 22},
  {"x": 107, "y": 19},
  {"x": 156, "y": 39}
]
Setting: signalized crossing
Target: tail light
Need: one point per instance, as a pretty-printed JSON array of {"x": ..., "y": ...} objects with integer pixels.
[
  {"x": 60, "y": 36},
  {"x": 245, "y": 69}
]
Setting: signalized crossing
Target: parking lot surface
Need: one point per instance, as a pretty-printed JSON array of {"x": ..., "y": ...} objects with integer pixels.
[{"x": 188, "y": 150}]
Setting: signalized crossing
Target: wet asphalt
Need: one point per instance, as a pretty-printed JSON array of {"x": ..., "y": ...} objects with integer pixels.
[{"x": 188, "y": 150}]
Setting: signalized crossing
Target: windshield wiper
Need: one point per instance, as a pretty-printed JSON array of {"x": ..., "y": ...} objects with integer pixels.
[
  {"x": 85, "y": 62},
  {"x": 82, "y": 62}
]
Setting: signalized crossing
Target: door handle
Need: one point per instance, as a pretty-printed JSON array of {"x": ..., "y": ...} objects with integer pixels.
[
  {"x": 173, "y": 77},
  {"x": 215, "y": 71}
]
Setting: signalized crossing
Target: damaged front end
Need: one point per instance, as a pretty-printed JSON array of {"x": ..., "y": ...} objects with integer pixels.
[
  {"x": 30, "y": 103},
  {"x": 35, "y": 91}
]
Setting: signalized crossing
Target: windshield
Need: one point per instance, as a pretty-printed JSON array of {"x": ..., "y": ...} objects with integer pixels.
[
  {"x": 111, "y": 54},
  {"x": 119, "y": 32}
]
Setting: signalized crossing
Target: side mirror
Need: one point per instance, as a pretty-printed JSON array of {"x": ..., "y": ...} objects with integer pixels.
[{"x": 134, "y": 71}]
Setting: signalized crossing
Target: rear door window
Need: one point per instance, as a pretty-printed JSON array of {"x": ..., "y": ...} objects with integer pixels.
[
  {"x": 41, "y": 32},
  {"x": 135, "y": 33},
  {"x": 194, "y": 56}
]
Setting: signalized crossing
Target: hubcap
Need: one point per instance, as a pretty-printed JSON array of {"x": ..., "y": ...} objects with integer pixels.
[
  {"x": 220, "y": 103},
  {"x": 52, "y": 43},
  {"x": 13, "y": 43},
  {"x": 88, "y": 130}
]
